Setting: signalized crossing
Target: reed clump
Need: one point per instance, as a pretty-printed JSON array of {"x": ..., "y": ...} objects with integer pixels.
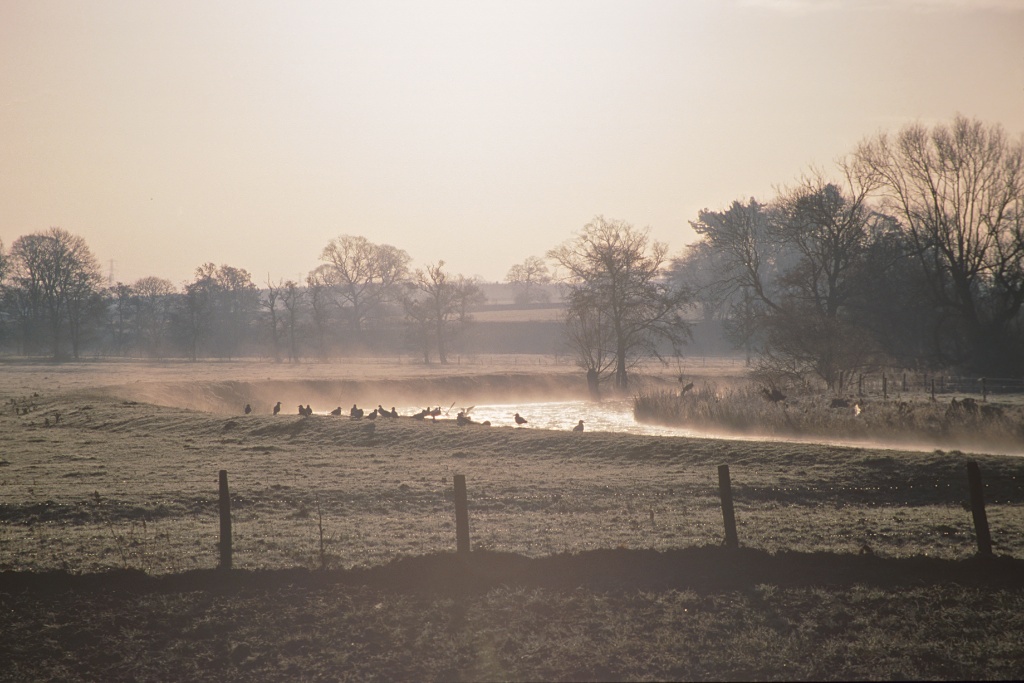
[{"x": 751, "y": 410}]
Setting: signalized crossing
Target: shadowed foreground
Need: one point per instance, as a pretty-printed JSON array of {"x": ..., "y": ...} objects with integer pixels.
[
  {"x": 695, "y": 613},
  {"x": 704, "y": 569}
]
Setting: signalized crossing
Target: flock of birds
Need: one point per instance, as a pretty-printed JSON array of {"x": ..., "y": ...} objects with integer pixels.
[{"x": 462, "y": 418}]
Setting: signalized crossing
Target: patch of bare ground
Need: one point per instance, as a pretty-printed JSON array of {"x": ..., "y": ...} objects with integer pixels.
[{"x": 595, "y": 555}]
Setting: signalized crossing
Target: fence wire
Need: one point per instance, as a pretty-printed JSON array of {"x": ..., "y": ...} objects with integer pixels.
[{"x": 277, "y": 524}]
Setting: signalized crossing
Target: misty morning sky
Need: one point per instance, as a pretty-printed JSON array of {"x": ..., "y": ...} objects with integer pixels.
[{"x": 251, "y": 133}]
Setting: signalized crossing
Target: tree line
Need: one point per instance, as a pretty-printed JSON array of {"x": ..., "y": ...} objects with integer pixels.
[
  {"x": 910, "y": 255},
  {"x": 363, "y": 295},
  {"x": 913, "y": 258}
]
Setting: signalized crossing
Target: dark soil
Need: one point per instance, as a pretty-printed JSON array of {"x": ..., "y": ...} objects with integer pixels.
[{"x": 701, "y": 569}]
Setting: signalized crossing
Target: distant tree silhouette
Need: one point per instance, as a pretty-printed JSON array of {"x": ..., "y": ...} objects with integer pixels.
[
  {"x": 218, "y": 310},
  {"x": 792, "y": 272},
  {"x": 292, "y": 298},
  {"x": 154, "y": 301},
  {"x": 528, "y": 278},
  {"x": 616, "y": 279},
  {"x": 60, "y": 280},
  {"x": 363, "y": 276},
  {"x": 270, "y": 303},
  {"x": 318, "y": 295},
  {"x": 958, "y": 191},
  {"x": 437, "y": 307},
  {"x": 120, "y": 321}
]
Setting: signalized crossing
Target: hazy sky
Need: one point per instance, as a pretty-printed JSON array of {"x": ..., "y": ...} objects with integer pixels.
[{"x": 251, "y": 133}]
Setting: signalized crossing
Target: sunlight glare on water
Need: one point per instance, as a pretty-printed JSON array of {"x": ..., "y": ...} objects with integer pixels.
[
  {"x": 603, "y": 416},
  {"x": 616, "y": 416}
]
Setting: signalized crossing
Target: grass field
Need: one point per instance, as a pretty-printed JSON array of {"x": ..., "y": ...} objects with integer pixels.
[{"x": 595, "y": 555}]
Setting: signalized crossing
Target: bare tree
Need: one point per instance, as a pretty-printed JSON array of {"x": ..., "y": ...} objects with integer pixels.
[
  {"x": 122, "y": 311},
  {"x": 318, "y": 288},
  {"x": 437, "y": 305},
  {"x": 791, "y": 273},
  {"x": 237, "y": 305},
  {"x": 154, "y": 303},
  {"x": 742, "y": 239},
  {"x": 365, "y": 275},
  {"x": 219, "y": 309},
  {"x": 958, "y": 189},
  {"x": 589, "y": 335},
  {"x": 292, "y": 298},
  {"x": 194, "y": 317},
  {"x": 529, "y": 278},
  {"x": 813, "y": 327},
  {"x": 269, "y": 303},
  {"x": 613, "y": 267},
  {"x": 700, "y": 269},
  {"x": 60, "y": 275}
]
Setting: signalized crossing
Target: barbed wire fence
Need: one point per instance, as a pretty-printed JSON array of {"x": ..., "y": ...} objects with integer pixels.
[{"x": 252, "y": 522}]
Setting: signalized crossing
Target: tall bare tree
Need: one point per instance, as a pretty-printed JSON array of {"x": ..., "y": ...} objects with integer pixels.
[
  {"x": 588, "y": 333},
  {"x": 958, "y": 189},
  {"x": 365, "y": 275},
  {"x": 813, "y": 328},
  {"x": 791, "y": 273},
  {"x": 615, "y": 268}
]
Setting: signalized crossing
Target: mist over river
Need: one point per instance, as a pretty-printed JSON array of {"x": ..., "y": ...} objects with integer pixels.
[
  {"x": 616, "y": 416},
  {"x": 605, "y": 416}
]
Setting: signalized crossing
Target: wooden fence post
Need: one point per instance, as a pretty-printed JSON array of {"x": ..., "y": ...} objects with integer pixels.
[
  {"x": 978, "y": 509},
  {"x": 728, "y": 514},
  {"x": 225, "y": 522},
  {"x": 461, "y": 515}
]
